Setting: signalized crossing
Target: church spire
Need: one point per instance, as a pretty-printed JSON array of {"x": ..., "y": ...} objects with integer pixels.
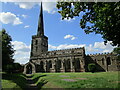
[{"x": 40, "y": 31}]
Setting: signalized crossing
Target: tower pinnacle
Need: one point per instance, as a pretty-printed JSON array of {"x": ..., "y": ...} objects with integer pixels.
[{"x": 40, "y": 31}]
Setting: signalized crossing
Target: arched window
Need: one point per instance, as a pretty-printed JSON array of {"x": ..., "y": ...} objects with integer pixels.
[
  {"x": 95, "y": 60},
  {"x": 108, "y": 61},
  {"x": 59, "y": 63},
  {"x": 78, "y": 64},
  {"x": 41, "y": 64},
  {"x": 36, "y": 42},
  {"x": 29, "y": 69},
  {"x": 68, "y": 63},
  {"x": 50, "y": 63},
  {"x": 102, "y": 61}
]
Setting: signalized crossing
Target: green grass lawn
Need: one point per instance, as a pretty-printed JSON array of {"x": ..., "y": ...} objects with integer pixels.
[
  {"x": 13, "y": 81},
  {"x": 77, "y": 80},
  {"x": 63, "y": 80}
]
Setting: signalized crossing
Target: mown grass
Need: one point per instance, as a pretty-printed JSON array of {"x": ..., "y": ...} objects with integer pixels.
[
  {"x": 55, "y": 80},
  {"x": 13, "y": 81},
  {"x": 83, "y": 80}
]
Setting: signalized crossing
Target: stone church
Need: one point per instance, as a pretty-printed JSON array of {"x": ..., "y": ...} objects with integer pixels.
[{"x": 67, "y": 60}]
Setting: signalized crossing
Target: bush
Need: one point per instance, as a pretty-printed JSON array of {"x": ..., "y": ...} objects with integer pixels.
[
  {"x": 9, "y": 68},
  {"x": 17, "y": 66},
  {"x": 92, "y": 67},
  {"x": 13, "y": 68}
]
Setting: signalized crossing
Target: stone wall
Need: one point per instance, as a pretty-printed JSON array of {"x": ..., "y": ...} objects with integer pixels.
[
  {"x": 68, "y": 60},
  {"x": 39, "y": 45},
  {"x": 73, "y": 60},
  {"x": 104, "y": 62}
]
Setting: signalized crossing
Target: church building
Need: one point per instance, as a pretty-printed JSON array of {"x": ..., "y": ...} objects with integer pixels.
[{"x": 67, "y": 60}]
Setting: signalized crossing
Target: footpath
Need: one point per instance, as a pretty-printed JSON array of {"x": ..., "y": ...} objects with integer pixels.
[{"x": 30, "y": 83}]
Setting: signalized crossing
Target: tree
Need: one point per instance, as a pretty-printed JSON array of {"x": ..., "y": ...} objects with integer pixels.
[
  {"x": 17, "y": 67},
  {"x": 92, "y": 67},
  {"x": 117, "y": 51},
  {"x": 100, "y": 17},
  {"x": 9, "y": 68},
  {"x": 7, "y": 49}
]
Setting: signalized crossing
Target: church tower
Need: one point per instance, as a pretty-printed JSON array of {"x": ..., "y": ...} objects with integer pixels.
[{"x": 40, "y": 41}]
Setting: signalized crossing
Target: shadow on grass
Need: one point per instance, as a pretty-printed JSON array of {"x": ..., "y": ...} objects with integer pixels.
[
  {"x": 41, "y": 83},
  {"x": 37, "y": 78},
  {"x": 19, "y": 79}
]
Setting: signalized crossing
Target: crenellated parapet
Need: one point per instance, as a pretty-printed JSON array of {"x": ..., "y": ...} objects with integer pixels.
[
  {"x": 64, "y": 52},
  {"x": 101, "y": 54}
]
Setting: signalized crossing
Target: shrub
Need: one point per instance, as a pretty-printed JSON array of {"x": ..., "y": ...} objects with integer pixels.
[
  {"x": 13, "y": 68},
  {"x": 92, "y": 67},
  {"x": 17, "y": 66},
  {"x": 9, "y": 68}
]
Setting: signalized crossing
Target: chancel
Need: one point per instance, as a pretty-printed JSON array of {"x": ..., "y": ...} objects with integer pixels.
[{"x": 67, "y": 60}]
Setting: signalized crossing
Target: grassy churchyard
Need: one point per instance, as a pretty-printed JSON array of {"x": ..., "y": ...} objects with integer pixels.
[
  {"x": 13, "y": 81},
  {"x": 64, "y": 80}
]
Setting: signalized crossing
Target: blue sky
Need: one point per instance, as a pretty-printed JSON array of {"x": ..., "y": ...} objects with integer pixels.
[{"x": 21, "y": 19}]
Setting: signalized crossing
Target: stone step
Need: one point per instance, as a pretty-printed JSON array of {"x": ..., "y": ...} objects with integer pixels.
[
  {"x": 31, "y": 87},
  {"x": 29, "y": 75},
  {"x": 30, "y": 81}
]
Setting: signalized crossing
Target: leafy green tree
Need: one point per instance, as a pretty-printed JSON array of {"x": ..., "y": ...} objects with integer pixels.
[
  {"x": 7, "y": 49},
  {"x": 17, "y": 66},
  {"x": 99, "y": 17},
  {"x": 9, "y": 68},
  {"x": 117, "y": 51},
  {"x": 92, "y": 67}
]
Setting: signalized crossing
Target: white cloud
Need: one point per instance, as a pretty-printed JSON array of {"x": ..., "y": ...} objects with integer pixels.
[
  {"x": 27, "y": 26},
  {"x": 50, "y": 7},
  {"x": 106, "y": 51},
  {"x": 24, "y": 16},
  {"x": 69, "y": 36},
  {"x": 8, "y": 17},
  {"x": 22, "y": 53},
  {"x": 65, "y": 46},
  {"x": 52, "y": 47},
  {"x": 25, "y": 5},
  {"x": 99, "y": 45},
  {"x": 91, "y": 48},
  {"x": 29, "y": 0},
  {"x": 106, "y": 48}
]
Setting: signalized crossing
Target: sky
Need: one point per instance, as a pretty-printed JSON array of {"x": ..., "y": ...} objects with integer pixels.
[{"x": 20, "y": 20}]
